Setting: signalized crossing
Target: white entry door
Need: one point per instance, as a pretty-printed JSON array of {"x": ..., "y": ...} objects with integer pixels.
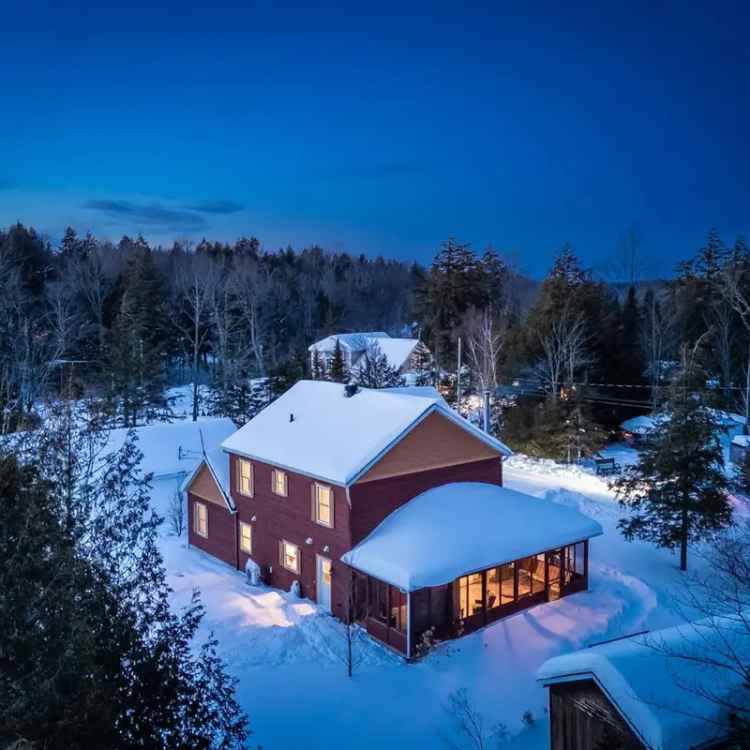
[{"x": 324, "y": 583}]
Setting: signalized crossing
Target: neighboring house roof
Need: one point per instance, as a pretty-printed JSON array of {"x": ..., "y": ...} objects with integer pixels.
[
  {"x": 645, "y": 424},
  {"x": 397, "y": 351},
  {"x": 356, "y": 341},
  {"x": 173, "y": 448},
  {"x": 660, "y": 681},
  {"x": 217, "y": 462},
  {"x": 648, "y": 423},
  {"x": 336, "y": 438},
  {"x": 463, "y": 527}
]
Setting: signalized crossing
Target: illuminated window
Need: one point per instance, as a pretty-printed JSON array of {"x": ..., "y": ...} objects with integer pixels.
[
  {"x": 200, "y": 519},
  {"x": 290, "y": 556},
  {"x": 278, "y": 482},
  {"x": 323, "y": 504},
  {"x": 246, "y": 537},
  {"x": 244, "y": 477},
  {"x": 470, "y": 597}
]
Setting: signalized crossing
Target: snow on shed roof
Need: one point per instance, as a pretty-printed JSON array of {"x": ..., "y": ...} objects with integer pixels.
[
  {"x": 644, "y": 424},
  {"x": 171, "y": 448},
  {"x": 356, "y": 341},
  {"x": 463, "y": 527},
  {"x": 742, "y": 440},
  {"x": 657, "y": 685},
  {"x": 336, "y": 438}
]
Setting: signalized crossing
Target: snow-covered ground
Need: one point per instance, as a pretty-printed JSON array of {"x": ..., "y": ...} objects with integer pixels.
[{"x": 289, "y": 658}]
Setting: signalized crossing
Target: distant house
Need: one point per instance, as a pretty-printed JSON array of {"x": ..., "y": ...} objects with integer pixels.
[
  {"x": 387, "y": 507},
  {"x": 657, "y": 691},
  {"x": 639, "y": 430},
  {"x": 402, "y": 353}
]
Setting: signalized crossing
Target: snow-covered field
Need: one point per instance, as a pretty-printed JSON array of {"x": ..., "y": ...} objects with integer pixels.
[{"x": 288, "y": 657}]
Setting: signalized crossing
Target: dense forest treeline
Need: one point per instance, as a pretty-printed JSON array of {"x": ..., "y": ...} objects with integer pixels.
[{"x": 573, "y": 354}]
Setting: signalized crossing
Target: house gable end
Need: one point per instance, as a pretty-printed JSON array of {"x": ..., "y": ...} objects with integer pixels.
[
  {"x": 204, "y": 486},
  {"x": 435, "y": 442}
]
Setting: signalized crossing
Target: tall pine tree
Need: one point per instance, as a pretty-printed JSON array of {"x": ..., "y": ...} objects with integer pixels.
[{"x": 676, "y": 493}]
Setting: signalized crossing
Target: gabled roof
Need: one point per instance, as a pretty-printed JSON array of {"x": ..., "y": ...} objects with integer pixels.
[
  {"x": 355, "y": 341},
  {"x": 397, "y": 351},
  {"x": 335, "y": 438},
  {"x": 493, "y": 525},
  {"x": 661, "y": 682},
  {"x": 217, "y": 462}
]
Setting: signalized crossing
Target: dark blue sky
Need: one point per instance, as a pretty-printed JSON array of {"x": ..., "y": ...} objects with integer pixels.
[{"x": 382, "y": 130}]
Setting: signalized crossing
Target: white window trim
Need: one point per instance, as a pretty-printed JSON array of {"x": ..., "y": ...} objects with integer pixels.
[
  {"x": 274, "y": 474},
  {"x": 298, "y": 569},
  {"x": 240, "y": 463},
  {"x": 243, "y": 524},
  {"x": 196, "y": 518},
  {"x": 316, "y": 504}
]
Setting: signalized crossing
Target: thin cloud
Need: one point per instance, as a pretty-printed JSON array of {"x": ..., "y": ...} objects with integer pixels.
[
  {"x": 153, "y": 214},
  {"x": 216, "y": 207}
]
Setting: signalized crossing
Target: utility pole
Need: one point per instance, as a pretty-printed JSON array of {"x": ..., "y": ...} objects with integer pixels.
[
  {"x": 458, "y": 378},
  {"x": 486, "y": 410}
]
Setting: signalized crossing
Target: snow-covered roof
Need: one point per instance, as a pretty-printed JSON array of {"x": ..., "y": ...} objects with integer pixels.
[
  {"x": 217, "y": 462},
  {"x": 335, "y": 438},
  {"x": 172, "y": 448},
  {"x": 660, "y": 694},
  {"x": 742, "y": 440},
  {"x": 461, "y": 528},
  {"x": 648, "y": 423},
  {"x": 397, "y": 351},
  {"x": 356, "y": 341},
  {"x": 644, "y": 424}
]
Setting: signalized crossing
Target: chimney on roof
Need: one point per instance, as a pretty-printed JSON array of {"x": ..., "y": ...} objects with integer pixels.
[
  {"x": 291, "y": 417},
  {"x": 350, "y": 389}
]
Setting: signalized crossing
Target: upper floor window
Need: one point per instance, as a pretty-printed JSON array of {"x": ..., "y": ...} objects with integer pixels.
[
  {"x": 244, "y": 477},
  {"x": 200, "y": 519},
  {"x": 246, "y": 537},
  {"x": 290, "y": 556},
  {"x": 279, "y": 482},
  {"x": 323, "y": 504}
]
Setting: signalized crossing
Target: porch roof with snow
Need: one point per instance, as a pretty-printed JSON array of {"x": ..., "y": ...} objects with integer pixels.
[
  {"x": 461, "y": 528},
  {"x": 315, "y": 429},
  {"x": 660, "y": 682}
]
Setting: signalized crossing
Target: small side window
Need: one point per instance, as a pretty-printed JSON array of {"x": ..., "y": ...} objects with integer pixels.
[
  {"x": 244, "y": 477},
  {"x": 246, "y": 538},
  {"x": 200, "y": 519},
  {"x": 290, "y": 556},
  {"x": 279, "y": 482}
]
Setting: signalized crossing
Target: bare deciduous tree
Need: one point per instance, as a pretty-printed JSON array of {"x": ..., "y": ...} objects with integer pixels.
[
  {"x": 485, "y": 336},
  {"x": 565, "y": 350}
]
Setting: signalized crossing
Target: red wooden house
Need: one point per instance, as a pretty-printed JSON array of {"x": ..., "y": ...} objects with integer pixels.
[{"x": 387, "y": 507}]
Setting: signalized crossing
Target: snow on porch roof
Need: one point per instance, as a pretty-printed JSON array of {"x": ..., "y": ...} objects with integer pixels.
[
  {"x": 461, "y": 528},
  {"x": 334, "y": 437},
  {"x": 661, "y": 682}
]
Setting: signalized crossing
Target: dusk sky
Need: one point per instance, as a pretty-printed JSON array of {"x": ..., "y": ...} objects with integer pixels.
[{"x": 380, "y": 131}]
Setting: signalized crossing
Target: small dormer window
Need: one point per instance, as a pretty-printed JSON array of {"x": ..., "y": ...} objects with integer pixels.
[{"x": 244, "y": 477}]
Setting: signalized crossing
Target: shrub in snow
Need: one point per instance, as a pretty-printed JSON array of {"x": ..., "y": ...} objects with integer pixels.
[
  {"x": 252, "y": 571},
  {"x": 427, "y": 642},
  {"x": 295, "y": 589},
  {"x": 528, "y": 718},
  {"x": 176, "y": 513}
]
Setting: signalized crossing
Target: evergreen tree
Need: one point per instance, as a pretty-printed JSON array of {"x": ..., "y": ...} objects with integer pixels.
[
  {"x": 741, "y": 480},
  {"x": 136, "y": 346},
  {"x": 374, "y": 370},
  {"x": 338, "y": 371},
  {"x": 423, "y": 366},
  {"x": 632, "y": 366},
  {"x": 676, "y": 493},
  {"x": 317, "y": 366},
  {"x": 93, "y": 655}
]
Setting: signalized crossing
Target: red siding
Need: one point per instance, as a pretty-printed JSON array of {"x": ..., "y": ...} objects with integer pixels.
[
  {"x": 373, "y": 501},
  {"x": 221, "y": 531},
  {"x": 290, "y": 518}
]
